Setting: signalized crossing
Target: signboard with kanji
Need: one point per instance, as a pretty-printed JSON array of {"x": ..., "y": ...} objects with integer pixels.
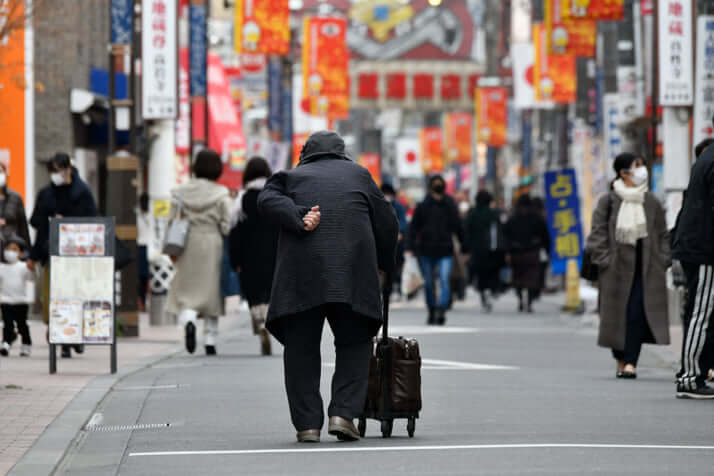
[
  {"x": 563, "y": 208},
  {"x": 121, "y": 13},
  {"x": 159, "y": 59},
  {"x": 676, "y": 82},
  {"x": 704, "y": 86}
]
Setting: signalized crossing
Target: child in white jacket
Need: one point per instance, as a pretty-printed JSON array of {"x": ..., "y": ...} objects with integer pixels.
[{"x": 16, "y": 289}]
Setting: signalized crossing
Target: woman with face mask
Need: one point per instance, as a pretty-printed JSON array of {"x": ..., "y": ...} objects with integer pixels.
[
  {"x": 630, "y": 245},
  {"x": 13, "y": 220}
]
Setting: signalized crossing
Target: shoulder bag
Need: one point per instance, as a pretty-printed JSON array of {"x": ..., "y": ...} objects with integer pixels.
[{"x": 177, "y": 232}]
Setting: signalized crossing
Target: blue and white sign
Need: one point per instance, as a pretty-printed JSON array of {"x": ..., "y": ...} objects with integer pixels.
[
  {"x": 121, "y": 12},
  {"x": 275, "y": 96},
  {"x": 198, "y": 49},
  {"x": 563, "y": 208}
]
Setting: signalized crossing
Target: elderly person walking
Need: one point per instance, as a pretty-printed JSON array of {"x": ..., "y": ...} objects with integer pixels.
[
  {"x": 336, "y": 232},
  {"x": 196, "y": 288},
  {"x": 630, "y": 245}
]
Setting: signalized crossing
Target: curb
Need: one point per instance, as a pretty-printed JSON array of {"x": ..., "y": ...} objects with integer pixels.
[{"x": 50, "y": 448}]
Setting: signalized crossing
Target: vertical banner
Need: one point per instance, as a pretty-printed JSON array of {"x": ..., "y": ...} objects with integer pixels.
[
  {"x": 568, "y": 35},
  {"x": 523, "y": 57},
  {"x": 408, "y": 151},
  {"x": 458, "y": 131},
  {"x": 197, "y": 69},
  {"x": 13, "y": 113},
  {"x": 431, "y": 150},
  {"x": 373, "y": 163},
  {"x": 492, "y": 116},
  {"x": 704, "y": 85},
  {"x": 586, "y": 97},
  {"x": 159, "y": 62},
  {"x": 675, "y": 56},
  {"x": 325, "y": 63},
  {"x": 563, "y": 208},
  {"x": 275, "y": 94},
  {"x": 611, "y": 130},
  {"x": 555, "y": 75},
  {"x": 183, "y": 121},
  {"x": 121, "y": 12},
  {"x": 262, "y": 26}
]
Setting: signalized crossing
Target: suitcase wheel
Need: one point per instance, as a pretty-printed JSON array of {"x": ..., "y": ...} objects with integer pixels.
[
  {"x": 387, "y": 428},
  {"x": 411, "y": 426},
  {"x": 362, "y": 427}
]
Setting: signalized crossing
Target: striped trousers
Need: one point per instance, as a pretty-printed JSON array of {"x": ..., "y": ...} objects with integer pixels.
[{"x": 698, "y": 344}]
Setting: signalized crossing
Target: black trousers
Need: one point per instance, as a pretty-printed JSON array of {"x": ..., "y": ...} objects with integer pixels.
[
  {"x": 15, "y": 314},
  {"x": 698, "y": 344},
  {"x": 303, "y": 364},
  {"x": 637, "y": 329}
]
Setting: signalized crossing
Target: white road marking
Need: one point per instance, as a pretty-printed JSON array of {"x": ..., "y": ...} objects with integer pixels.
[
  {"x": 96, "y": 419},
  {"x": 175, "y": 386},
  {"x": 433, "y": 364},
  {"x": 409, "y": 331},
  {"x": 364, "y": 449}
]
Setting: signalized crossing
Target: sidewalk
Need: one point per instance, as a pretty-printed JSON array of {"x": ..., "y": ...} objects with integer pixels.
[{"x": 31, "y": 399}]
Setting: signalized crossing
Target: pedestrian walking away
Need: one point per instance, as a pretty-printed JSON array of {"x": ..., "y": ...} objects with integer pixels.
[
  {"x": 253, "y": 244},
  {"x": 630, "y": 244},
  {"x": 527, "y": 236},
  {"x": 431, "y": 238},
  {"x": 390, "y": 194},
  {"x": 336, "y": 232},
  {"x": 694, "y": 248},
  {"x": 196, "y": 287},
  {"x": 484, "y": 236},
  {"x": 16, "y": 293},
  {"x": 13, "y": 220},
  {"x": 67, "y": 195}
]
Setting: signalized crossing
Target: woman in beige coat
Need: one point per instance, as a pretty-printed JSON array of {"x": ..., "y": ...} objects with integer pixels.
[
  {"x": 630, "y": 245},
  {"x": 195, "y": 290}
]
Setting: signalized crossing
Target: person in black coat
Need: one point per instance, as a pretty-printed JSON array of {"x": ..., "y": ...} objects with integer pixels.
[
  {"x": 526, "y": 234},
  {"x": 253, "y": 244},
  {"x": 336, "y": 232},
  {"x": 431, "y": 238},
  {"x": 66, "y": 196},
  {"x": 484, "y": 236}
]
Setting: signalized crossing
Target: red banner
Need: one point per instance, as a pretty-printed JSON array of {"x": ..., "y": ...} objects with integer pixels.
[
  {"x": 492, "y": 116},
  {"x": 458, "y": 137},
  {"x": 555, "y": 75},
  {"x": 325, "y": 63},
  {"x": 596, "y": 9},
  {"x": 574, "y": 36},
  {"x": 431, "y": 150},
  {"x": 373, "y": 164},
  {"x": 262, "y": 26}
]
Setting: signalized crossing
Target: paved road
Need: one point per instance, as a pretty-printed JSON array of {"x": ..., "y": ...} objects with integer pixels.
[{"x": 503, "y": 394}]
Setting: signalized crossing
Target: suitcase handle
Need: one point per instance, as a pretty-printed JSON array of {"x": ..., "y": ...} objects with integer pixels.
[{"x": 386, "y": 294}]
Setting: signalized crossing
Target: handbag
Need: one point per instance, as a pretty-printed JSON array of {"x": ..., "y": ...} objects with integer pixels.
[
  {"x": 177, "y": 232},
  {"x": 589, "y": 270}
]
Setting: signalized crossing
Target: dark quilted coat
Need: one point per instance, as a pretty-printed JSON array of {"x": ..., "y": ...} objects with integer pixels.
[{"x": 338, "y": 262}]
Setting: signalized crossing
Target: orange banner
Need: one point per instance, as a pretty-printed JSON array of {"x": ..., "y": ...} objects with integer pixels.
[
  {"x": 555, "y": 75},
  {"x": 373, "y": 163},
  {"x": 12, "y": 98},
  {"x": 594, "y": 9},
  {"x": 431, "y": 153},
  {"x": 262, "y": 26},
  {"x": 458, "y": 131},
  {"x": 325, "y": 66},
  {"x": 576, "y": 36},
  {"x": 492, "y": 116},
  {"x": 298, "y": 141}
]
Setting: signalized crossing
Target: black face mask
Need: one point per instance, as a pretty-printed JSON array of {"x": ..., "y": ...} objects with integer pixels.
[{"x": 438, "y": 188}]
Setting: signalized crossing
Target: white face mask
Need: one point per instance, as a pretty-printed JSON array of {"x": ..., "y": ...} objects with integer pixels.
[
  {"x": 640, "y": 176},
  {"x": 57, "y": 178},
  {"x": 464, "y": 207},
  {"x": 3, "y": 179},
  {"x": 12, "y": 256}
]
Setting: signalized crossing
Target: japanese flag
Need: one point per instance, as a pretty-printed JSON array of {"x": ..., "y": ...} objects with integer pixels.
[{"x": 409, "y": 158}]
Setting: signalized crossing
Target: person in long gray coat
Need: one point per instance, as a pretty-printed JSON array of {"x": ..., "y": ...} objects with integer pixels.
[
  {"x": 630, "y": 245},
  {"x": 337, "y": 231},
  {"x": 196, "y": 287}
]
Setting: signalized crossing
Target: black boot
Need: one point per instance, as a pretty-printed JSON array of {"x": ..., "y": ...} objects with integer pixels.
[
  {"x": 432, "y": 317},
  {"x": 440, "y": 316},
  {"x": 190, "y": 331}
]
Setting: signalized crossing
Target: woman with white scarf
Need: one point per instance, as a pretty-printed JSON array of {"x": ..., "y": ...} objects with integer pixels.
[{"x": 630, "y": 245}]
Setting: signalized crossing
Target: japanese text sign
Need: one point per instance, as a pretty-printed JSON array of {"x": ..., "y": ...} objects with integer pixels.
[
  {"x": 594, "y": 9},
  {"x": 675, "y": 58},
  {"x": 492, "y": 116},
  {"x": 325, "y": 62},
  {"x": 159, "y": 55},
  {"x": 704, "y": 86},
  {"x": 262, "y": 26},
  {"x": 563, "y": 208},
  {"x": 197, "y": 49},
  {"x": 121, "y": 13}
]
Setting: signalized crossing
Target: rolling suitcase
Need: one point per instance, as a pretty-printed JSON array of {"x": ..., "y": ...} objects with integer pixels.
[{"x": 394, "y": 390}]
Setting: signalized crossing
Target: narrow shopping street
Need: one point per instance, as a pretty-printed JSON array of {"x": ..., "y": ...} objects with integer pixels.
[{"x": 503, "y": 394}]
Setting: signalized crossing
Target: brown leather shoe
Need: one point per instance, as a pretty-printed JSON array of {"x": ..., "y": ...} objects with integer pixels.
[
  {"x": 343, "y": 429},
  {"x": 308, "y": 436}
]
